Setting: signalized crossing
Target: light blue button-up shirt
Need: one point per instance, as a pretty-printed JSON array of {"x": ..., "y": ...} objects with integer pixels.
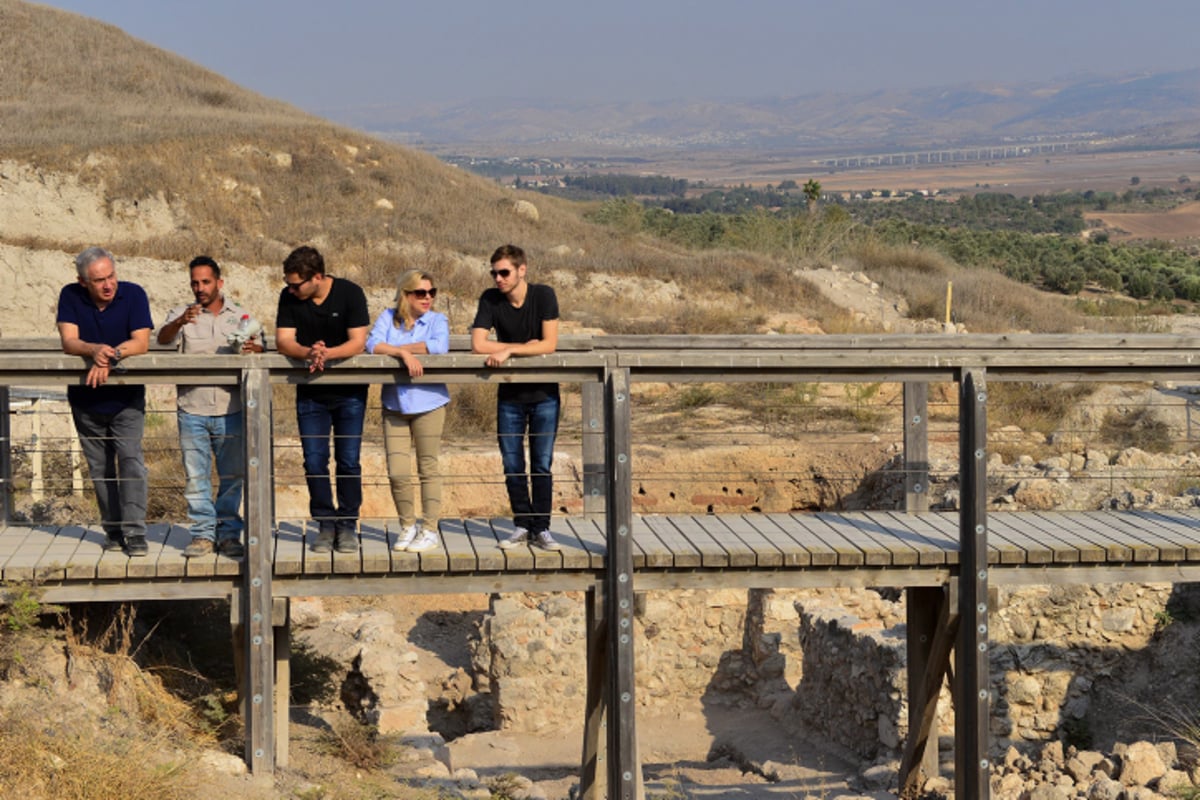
[{"x": 433, "y": 329}]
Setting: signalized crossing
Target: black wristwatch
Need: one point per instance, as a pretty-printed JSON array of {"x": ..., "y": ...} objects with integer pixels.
[{"x": 116, "y": 355}]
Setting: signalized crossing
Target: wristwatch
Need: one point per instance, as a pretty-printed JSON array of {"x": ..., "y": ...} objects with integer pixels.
[{"x": 116, "y": 355}]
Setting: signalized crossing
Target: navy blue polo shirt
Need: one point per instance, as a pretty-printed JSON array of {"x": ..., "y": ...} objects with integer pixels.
[{"x": 129, "y": 311}]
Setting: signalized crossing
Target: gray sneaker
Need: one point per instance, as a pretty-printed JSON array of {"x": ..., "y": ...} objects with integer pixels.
[
  {"x": 543, "y": 540},
  {"x": 517, "y": 538},
  {"x": 324, "y": 541}
]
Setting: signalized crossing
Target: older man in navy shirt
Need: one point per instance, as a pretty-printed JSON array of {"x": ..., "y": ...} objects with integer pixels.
[{"x": 106, "y": 322}]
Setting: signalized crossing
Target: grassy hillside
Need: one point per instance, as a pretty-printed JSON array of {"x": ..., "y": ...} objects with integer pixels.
[{"x": 247, "y": 178}]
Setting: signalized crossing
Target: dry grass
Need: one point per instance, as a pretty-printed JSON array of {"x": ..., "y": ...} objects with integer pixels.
[
  {"x": 43, "y": 761},
  {"x": 984, "y": 301}
]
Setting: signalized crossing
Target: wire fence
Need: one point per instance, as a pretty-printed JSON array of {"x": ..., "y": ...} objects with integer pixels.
[{"x": 702, "y": 448}]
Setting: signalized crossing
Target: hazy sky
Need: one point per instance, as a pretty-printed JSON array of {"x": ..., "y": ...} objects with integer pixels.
[{"x": 322, "y": 55}]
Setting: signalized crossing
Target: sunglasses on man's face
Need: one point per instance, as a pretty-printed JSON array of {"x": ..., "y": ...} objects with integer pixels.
[
  {"x": 501, "y": 273},
  {"x": 291, "y": 287},
  {"x": 421, "y": 294}
]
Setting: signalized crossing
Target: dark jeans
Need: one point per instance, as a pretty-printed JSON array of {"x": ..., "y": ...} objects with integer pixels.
[
  {"x": 531, "y": 510},
  {"x": 112, "y": 445},
  {"x": 342, "y": 414}
]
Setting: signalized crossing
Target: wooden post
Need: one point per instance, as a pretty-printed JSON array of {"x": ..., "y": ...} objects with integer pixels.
[
  {"x": 37, "y": 483},
  {"x": 593, "y": 450},
  {"x": 921, "y": 604},
  {"x": 624, "y": 769},
  {"x": 594, "y": 735},
  {"x": 257, "y": 570},
  {"x": 5, "y": 457},
  {"x": 971, "y": 684},
  {"x": 916, "y": 446},
  {"x": 281, "y": 625}
]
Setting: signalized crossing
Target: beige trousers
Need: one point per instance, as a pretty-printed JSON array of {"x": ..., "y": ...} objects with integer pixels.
[{"x": 402, "y": 434}]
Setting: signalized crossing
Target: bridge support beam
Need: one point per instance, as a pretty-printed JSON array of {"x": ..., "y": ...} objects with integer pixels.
[
  {"x": 624, "y": 766},
  {"x": 256, "y": 615},
  {"x": 971, "y": 681},
  {"x": 594, "y": 736}
]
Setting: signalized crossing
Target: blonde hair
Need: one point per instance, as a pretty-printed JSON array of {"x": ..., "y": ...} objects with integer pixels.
[{"x": 408, "y": 281}]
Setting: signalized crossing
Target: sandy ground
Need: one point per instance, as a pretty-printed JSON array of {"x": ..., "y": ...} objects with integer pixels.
[{"x": 675, "y": 749}]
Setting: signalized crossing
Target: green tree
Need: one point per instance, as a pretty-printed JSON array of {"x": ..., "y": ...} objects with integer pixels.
[{"x": 812, "y": 193}]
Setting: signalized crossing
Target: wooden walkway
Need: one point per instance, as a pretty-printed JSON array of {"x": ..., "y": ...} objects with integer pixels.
[{"x": 875, "y": 548}]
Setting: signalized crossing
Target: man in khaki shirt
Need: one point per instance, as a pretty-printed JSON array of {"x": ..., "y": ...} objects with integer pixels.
[{"x": 210, "y": 417}]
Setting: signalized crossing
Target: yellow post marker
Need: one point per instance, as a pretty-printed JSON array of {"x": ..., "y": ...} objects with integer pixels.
[{"x": 949, "y": 294}]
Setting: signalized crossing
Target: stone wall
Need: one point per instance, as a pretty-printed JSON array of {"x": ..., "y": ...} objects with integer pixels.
[{"x": 832, "y": 660}]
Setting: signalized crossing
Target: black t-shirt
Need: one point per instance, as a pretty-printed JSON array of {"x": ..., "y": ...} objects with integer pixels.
[
  {"x": 345, "y": 307},
  {"x": 517, "y": 326}
]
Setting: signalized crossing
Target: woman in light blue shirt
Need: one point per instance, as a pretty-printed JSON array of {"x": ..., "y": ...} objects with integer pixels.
[{"x": 413, "y": 414}]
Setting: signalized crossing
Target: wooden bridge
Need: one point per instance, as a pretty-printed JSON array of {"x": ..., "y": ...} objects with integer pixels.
[{"x": 944, "y": 561}]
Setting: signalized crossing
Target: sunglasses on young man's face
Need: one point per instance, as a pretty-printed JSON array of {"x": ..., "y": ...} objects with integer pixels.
[
  {"x": 501, "y": 273},
  {"x": 421, "y": 294}
]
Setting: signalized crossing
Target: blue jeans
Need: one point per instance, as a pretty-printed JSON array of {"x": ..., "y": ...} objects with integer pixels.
[
  {"x": 204, "y": 440},
  {"x": 341, "y": 413},
  {"x": 540, "y": 421},
  {"x": 112, "y": 445}
]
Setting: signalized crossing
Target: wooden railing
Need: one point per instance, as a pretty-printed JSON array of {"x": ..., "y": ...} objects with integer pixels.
[{"x": 608, "y": 368}]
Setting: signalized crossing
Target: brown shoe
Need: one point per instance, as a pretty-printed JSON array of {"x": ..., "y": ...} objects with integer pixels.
[{"x": 199, "y": 548}]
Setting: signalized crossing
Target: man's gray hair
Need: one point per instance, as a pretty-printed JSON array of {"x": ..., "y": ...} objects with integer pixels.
[{"x": 89, "y": 257}]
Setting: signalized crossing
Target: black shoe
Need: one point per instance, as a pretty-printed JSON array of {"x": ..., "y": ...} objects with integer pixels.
[
  {"x": 113, "y": 541},
  {"x": 346, "y": 542},
  {"x": 231, "y": 548},
  {"x": 135, "y": 546},
  {"x": 324, "y": 541}
]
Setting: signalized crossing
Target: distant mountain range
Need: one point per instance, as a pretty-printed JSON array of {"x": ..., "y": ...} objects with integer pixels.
[{"x": 1138, "y": 110}]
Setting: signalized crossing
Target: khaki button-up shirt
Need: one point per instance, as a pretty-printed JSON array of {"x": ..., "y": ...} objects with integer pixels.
[{"x": 207, "y": 335}]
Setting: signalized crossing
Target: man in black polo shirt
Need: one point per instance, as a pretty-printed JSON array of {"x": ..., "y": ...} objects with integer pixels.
[
  {"x": 321, "y": 319},
  {"x": 525, "y": 318},
  {"x": 105, "y": 322}
]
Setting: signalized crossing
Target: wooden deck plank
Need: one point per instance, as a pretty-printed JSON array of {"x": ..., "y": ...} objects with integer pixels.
[
  {"x": 740, "y": 553},
  {"x": 1024, "y": 528},
  {"x": 488, "y": 557},
  {"x": 1185, "y": 527},
  {"x": 1118, "y": 552},
  {"x": 52, "y": 566},
  {"x": 656, "y": 554},
  {"x": 794, "y": 554},
  {"x": 1063, "y": 525},
  {"x": 932, "y": 525},
  {"x": 713, "y": 554},
  {"x": 945, "y": 523},
  {"x": 855, "y": 540},
  {"x": 591, "y": 539},
  {"x": 400, "y": 561},
  {"x": 460, "y": 550},
  {"x": 819, "y": 532},
  {"x": 12, "y": 540},
  {"x": 1110, "y": 524},
  {"x": 314, "y": 563},
  {"x": 289, "y": 548},
  {"x": 520, "y": 557},
  {"x": 574, "y": 552},
  {"x": 373, "y": 536},
  {"x": 171, "y": 562},
  {"x": 763, "y": 551},
  {"x": 683, "y": 554},
  {"x": 932, "y": 547},
  {"x": 874, "y": 552},
  {"x": 1036, "y": 551},
  {"x": 82, "y": 565}
]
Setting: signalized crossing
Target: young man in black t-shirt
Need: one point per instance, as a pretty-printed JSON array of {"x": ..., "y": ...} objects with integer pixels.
[
  {"x": 525, "y": 318},
  {"x": 321, "y": 319}
]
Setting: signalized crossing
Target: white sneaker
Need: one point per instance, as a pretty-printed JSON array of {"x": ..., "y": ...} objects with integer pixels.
[
  {"x": 406, "y": 537},
  {"x": 545, "y": 541},
  {"x": 518, "y": 538},
  {"x": 428, "y": 541}
]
